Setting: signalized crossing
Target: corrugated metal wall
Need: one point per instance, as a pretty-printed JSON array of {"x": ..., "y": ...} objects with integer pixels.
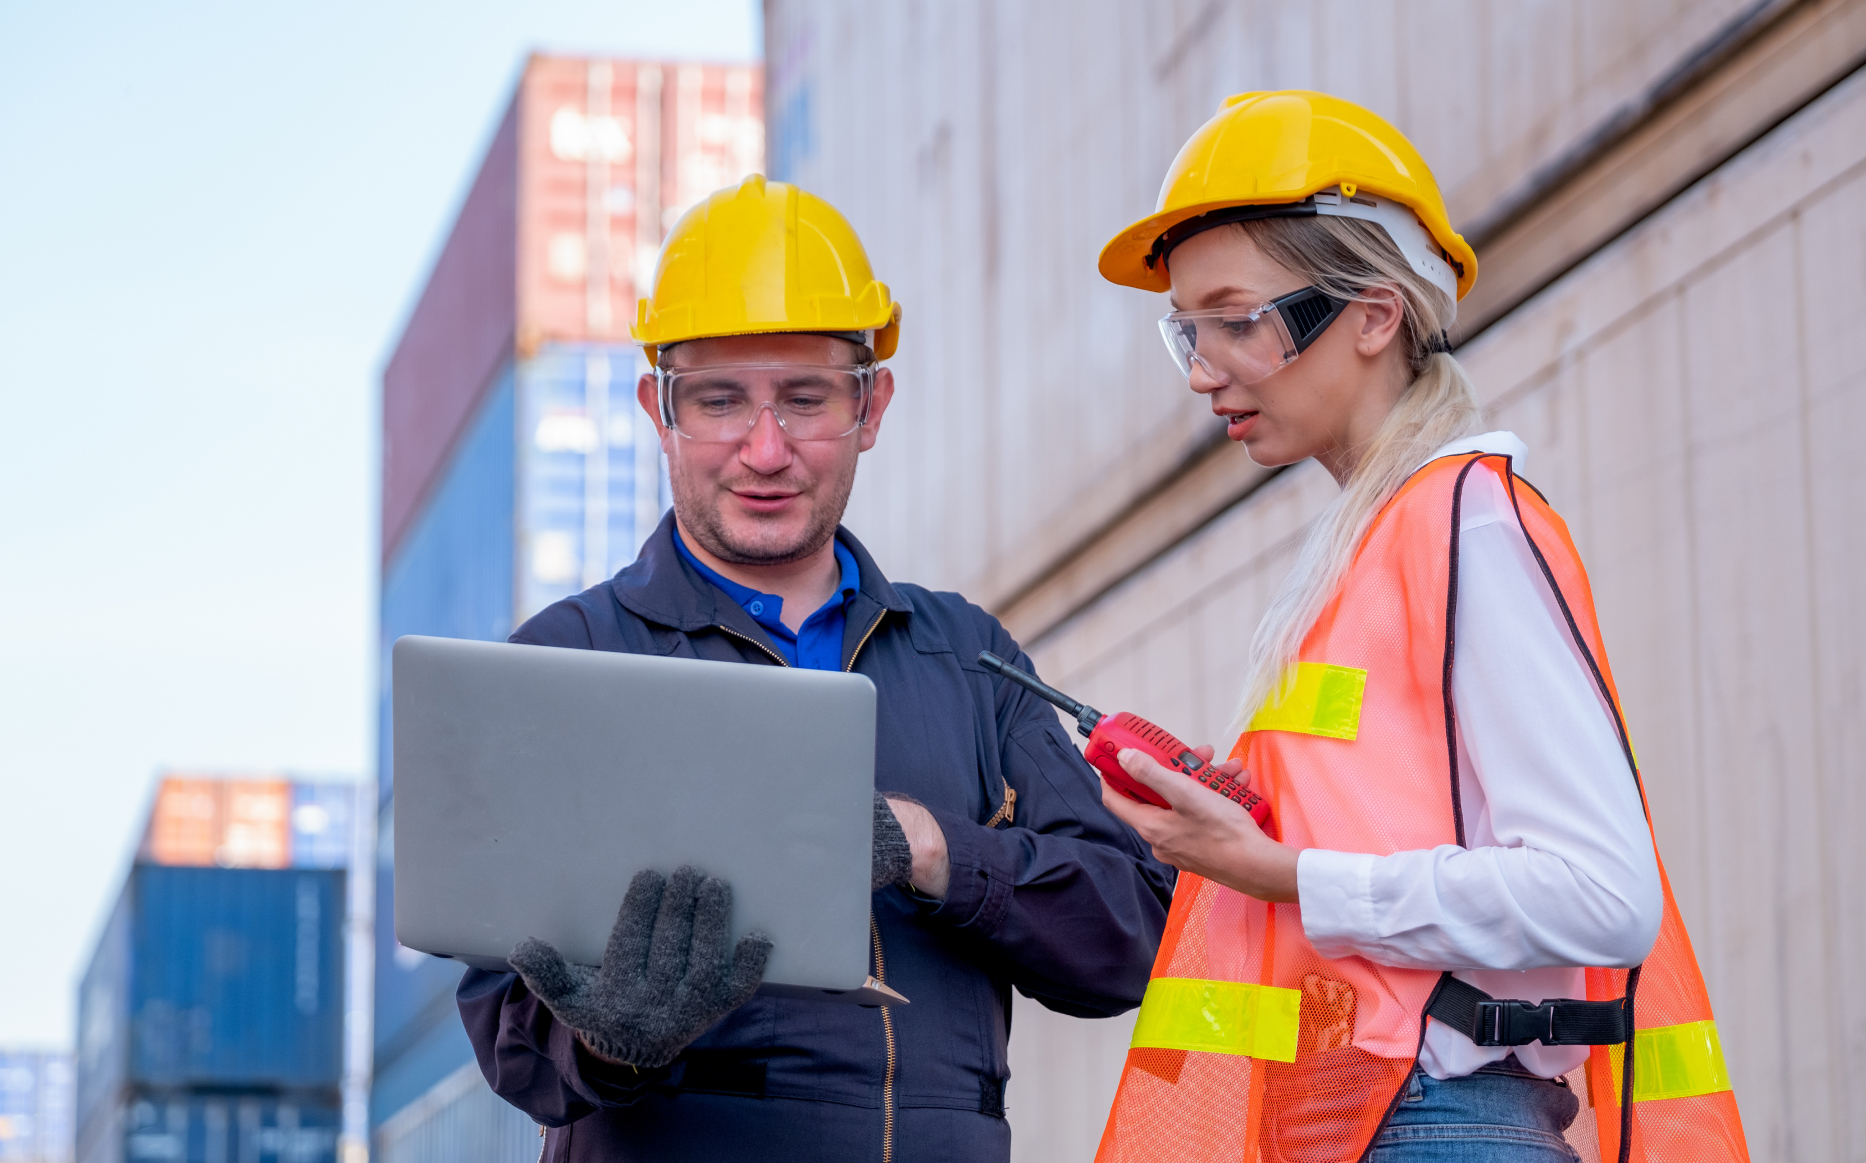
[
  {"x": 986, "y": 152},
  {"x": 1688, "y": 392},
  {"x": 459, "y": 1120}
]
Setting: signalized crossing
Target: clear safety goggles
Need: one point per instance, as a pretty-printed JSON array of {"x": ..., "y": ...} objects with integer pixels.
[
  {"x": 1240, "y": 345},
  {"x": 721, "y": 403}
]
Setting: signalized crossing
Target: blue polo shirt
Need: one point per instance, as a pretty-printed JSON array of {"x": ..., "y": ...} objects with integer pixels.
[{"x": 817, "y": 644}]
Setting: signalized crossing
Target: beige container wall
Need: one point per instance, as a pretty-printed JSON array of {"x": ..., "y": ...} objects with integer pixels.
[
  {"x": 1691, "y": 395},
  {"x": 986, "y": 152}
]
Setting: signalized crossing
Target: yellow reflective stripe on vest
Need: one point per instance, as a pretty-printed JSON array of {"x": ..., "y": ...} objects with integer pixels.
[
  {"x": 1674, "y": 1062},
  {"x": 1219, "y": 1017},
  {"x": 1318, "y": 699}
]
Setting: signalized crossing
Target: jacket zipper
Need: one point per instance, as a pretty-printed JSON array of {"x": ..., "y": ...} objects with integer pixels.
[
  {"x": 881, "y": 969},
  {"x": 866, "y": 635},
  {"x": 1008, "y": 810},
  {"x": 774, "y": 655},
  {"x": 887, "y": 1034},
  {"x": 779, "y": 659},
  {"x": 874, "y": 928}
]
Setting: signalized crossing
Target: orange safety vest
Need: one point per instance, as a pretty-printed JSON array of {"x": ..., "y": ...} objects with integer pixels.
[{"x": 1252, "y": 1046}]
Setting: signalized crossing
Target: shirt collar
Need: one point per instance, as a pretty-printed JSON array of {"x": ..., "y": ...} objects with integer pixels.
[
  {"x": 662, "y": 587},
  {"x": 765, "y": 608},
  {"x": 1498, "y": 443}
]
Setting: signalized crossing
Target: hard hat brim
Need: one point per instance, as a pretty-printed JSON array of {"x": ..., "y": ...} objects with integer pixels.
[
  {"x": 886, "y": 336},
  {"x": 1124, "y": 260}
]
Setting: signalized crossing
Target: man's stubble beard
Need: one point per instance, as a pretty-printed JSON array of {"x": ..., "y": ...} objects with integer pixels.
[{"x": 699, "y": 515}]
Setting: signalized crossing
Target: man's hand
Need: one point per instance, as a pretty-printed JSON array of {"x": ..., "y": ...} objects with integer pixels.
[
  {"x": 1204, "y": 832},
  {"x": 931, "y": 869},
  {"x": 666, "y": 975}
]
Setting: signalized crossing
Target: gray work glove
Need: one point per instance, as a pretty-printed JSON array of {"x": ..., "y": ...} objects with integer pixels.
[
  {"x": 894, "y": 859},
  {"x": 666, "y": 976}
]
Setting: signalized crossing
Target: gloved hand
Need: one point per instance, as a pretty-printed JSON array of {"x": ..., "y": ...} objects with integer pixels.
[
  {"x": 666, "y": 974},
  {"x": 894, "y": 858}
]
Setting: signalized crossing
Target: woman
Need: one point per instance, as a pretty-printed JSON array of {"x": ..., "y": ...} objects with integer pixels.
[{"x": 1456, "y": 818}]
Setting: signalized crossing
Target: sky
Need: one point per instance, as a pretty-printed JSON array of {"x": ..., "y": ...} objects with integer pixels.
[{"x": 214, "y": 218}]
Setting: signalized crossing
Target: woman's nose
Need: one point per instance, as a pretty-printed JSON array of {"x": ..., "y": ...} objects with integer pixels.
[{"x": 1201, "y": 379}]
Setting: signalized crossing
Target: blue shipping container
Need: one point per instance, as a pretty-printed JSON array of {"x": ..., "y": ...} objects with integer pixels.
[
  {"x": 452, "y": 577},
  {"x": 216, "y": 1129},
  {"x": 553, "y": 485},
  {"x": 215, "y": 978},
  {"x": 35, "y": 1106},
  {"x": 104, "y": 1014},
  {"x": 324, "y": 823},
  {"x": 592, "y": 484}
]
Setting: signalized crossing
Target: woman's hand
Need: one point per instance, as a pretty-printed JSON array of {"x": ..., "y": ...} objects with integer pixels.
[{"x": 1204, "y": 833}]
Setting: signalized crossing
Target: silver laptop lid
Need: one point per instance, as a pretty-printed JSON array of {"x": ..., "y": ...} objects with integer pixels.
[{"x": 531, "y": 784}]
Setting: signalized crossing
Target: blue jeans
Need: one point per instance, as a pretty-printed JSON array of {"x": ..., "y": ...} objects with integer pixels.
[{"x": 1501, "y": 1114}]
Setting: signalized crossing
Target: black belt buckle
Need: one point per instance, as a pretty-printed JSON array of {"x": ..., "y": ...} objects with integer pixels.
[{"x": 1514, "y": 1023}]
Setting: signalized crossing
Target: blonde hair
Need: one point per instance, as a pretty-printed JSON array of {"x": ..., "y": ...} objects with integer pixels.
[{"x": 1347, "y": 258}]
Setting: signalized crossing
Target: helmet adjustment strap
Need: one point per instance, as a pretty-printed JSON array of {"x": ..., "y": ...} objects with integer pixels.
[
  {"x": 1223, "y": 216},
  {"x": 1399, "y": 221}
]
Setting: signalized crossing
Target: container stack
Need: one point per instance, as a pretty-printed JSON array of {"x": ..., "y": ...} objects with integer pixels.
[
  {"x": 517, "y": 467},
  {"x": 210, "y": 1025}
]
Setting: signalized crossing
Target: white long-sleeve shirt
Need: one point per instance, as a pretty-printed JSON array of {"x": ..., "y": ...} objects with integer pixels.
[{"x": 1559, "y": 871}]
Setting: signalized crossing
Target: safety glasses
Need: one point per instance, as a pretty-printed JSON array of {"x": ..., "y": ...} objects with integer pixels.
[
  {"x": 1236, "y": 345},
  {"x": 720, "y": 403}
]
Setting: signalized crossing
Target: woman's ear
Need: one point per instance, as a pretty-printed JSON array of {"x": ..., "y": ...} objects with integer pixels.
[{"x": 1382, "y": 312}]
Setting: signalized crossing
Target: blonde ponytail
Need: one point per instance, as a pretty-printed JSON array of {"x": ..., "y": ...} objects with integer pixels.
[{"x": 1347, "y": 258}]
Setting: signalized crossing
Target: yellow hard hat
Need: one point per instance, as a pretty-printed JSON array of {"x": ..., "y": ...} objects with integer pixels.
[
  {"x": 1296, "y": 153},
  {"x": 759, "y": 258}
]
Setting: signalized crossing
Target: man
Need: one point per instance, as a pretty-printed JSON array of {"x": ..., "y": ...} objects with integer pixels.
[{"x": 996, "y": 864}]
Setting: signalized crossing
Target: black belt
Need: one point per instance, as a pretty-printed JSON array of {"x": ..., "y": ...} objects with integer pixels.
[{"x": 1559, "y": 1021}]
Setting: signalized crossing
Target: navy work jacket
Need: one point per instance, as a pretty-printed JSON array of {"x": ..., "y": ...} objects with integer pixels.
[{"x": 1050, "y": 894}]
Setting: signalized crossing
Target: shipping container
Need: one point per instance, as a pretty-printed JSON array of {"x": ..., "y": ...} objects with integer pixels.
[
  {"x": 323, "y": 823},
  {"x": 36, "y": 1095},
  {"x": 592, "y": 483},
  {"x": 458, "y": 1120},
  {"x": 249, "y": 822},
  {"x": 104, "y": 1015},
  {"x": 213, "y": 1128},
  {"x": 215, "y": 978},
  {"x": 560, "y": 230},
  {"x": 517, "y": 466},
  {"x": 1665, "y": 200}
]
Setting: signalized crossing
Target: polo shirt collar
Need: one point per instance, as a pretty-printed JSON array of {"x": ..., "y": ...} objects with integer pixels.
[
  {"x": 767, "y": 609},
  {"x": 660, "y": 586}
]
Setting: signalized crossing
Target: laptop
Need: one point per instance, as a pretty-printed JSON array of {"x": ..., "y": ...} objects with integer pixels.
[{"x": 532, "y": 783}]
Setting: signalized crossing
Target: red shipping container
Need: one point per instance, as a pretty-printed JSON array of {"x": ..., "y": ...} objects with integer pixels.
[
  {"x": 229, "y": 823},
  {"x": 593, "y": 161}
]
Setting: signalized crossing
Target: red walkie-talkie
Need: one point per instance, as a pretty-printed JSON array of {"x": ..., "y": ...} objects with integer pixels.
[{"x": 1108, "y": 734}]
